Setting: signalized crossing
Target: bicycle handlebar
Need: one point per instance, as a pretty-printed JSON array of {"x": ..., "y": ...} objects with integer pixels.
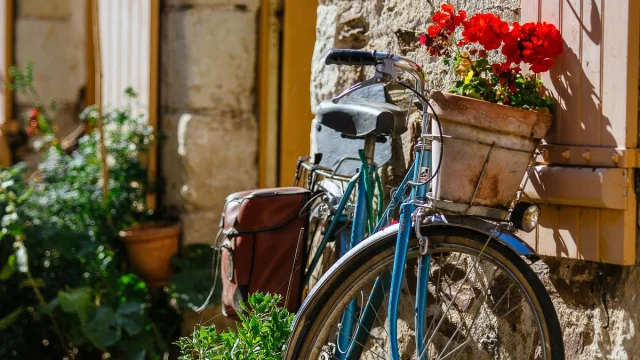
[
  {"x": 379, "y": 59},
  {"x": 351, "y": 57}
]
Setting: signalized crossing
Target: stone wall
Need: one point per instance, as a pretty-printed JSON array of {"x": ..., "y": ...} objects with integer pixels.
[
  {"x": 208, "y": 122},
  {"x": 597, "y": 304},
  {"x": 52, "y": 34},
  {"x": 208, "y": 72}
]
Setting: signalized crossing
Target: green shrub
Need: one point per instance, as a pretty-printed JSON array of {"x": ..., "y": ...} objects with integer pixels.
[
  {"x": 262, "y": 333},
  {"x": 66, "y": 290}
]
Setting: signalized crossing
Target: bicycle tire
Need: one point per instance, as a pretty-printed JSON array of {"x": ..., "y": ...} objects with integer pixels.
[{"x": 338, "y": 281}]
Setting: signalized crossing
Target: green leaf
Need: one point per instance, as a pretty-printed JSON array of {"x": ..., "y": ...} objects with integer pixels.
[
  {"x": 131, "y": 317},
  {"x": 76, "y": 301},
  {"x": 481, "y": 64},
  {"x": 51, "y": 306},
  {"x": 102, "y": 327},
  {"x": 9, "y": 268},
  {"x": 6, "y": 321}
]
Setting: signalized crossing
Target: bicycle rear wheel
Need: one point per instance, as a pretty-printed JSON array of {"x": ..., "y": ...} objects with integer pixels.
[{"x": 484, "y": 302}]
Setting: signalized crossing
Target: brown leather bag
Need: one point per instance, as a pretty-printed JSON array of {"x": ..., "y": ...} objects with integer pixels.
[{"x": 263, "y": 249}]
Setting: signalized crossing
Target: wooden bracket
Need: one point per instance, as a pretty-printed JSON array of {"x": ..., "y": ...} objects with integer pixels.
[{"x": 588, "y": 156}]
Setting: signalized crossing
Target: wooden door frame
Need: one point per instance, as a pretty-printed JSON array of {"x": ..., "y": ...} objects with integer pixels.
[
  {"x": 154, "y": 73},
  {"x": 287, "y": 33},
  {"x": 5, "y": 152},
  {"x": 270, "y": 31}
]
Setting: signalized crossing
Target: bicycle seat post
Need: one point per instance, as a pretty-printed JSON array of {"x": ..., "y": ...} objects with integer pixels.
[{"x": 369, "y": 147}]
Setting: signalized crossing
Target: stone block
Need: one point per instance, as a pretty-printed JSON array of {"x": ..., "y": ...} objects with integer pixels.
[
  {"x": 47, "y": 9},
  {"x": 207, "y": 157},
  {"x": 201, "y": 226},
  {"x": 248, "y": 3},
  {"x": 209, "y": 59}
]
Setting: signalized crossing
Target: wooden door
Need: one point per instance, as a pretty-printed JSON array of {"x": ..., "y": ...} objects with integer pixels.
[
  {"x": 298, "y": 40},
  {"x": 586, "y": 177}
]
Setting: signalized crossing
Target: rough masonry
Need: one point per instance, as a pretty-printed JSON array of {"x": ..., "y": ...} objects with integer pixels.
[{"x": 208, "y": 122}]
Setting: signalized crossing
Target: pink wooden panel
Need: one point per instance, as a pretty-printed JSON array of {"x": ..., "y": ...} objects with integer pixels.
[
  {"x": 596, "y": 87},
  {"x": 125, "y": 31},
  {"x": 592, "y": 80}
]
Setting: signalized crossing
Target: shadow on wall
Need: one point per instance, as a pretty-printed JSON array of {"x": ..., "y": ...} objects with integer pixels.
[{"x": 576, "y": 84}]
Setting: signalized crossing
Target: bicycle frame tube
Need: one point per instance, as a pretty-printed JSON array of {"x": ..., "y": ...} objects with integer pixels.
[
  {"x": 397, "y": 274},
  {"x": 382, "y": 283},
  {"x": 331, "y": 228},
  {"x": 424, "y": 262},
  {"x": 358, "y": 231},
  {"x": 360, "y": 218}
]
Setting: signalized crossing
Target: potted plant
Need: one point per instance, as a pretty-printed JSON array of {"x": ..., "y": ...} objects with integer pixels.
[
  {"x": 150, "y": 240},
  {"x": 496, "y": 113},
  {"x": 119, "y": 147}
]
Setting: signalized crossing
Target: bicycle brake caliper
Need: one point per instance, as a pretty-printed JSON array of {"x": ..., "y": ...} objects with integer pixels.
[{"x": 423, "y": 241}]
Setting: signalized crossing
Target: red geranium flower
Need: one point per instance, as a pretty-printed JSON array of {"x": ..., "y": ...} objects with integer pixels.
[
  {"x": 446, "y": 19},
  {"x": 33, "y": 113},
  {"x": 434, "y": 30},
  {"x": 537, "y": 44},
  {"x": 486, "y": 30}
]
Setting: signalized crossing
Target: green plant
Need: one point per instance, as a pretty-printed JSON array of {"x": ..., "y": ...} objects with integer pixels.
[
  {"x": 192, "y": 279},
  {"x": 65, "y": 285},
  {"x": 261, "y": 334}
]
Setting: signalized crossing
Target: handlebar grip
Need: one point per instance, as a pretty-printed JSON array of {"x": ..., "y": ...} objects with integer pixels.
[{"x": 350, "y": 57}]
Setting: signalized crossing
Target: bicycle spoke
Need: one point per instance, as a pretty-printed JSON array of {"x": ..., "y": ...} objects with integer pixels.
[{"x": 365, "y": 329}]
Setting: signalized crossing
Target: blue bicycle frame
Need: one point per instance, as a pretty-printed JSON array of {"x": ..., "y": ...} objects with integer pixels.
[{"x": 352, "y": 335}]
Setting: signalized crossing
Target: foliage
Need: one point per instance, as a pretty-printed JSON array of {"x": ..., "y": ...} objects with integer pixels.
[
  {"x": 191, "y": 281},
  {"x": 487, "y": 57},
  {"x": 261, "y": 334},
  {"x": 65, "y": 285}
]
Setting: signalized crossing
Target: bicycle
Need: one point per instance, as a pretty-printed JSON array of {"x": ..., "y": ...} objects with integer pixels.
[{"x": 473, "y": 293}]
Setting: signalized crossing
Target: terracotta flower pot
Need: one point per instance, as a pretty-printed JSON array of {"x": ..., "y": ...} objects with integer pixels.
[
  {"x": 487, "y": 149},
  {"x": 150, "y": 248}
]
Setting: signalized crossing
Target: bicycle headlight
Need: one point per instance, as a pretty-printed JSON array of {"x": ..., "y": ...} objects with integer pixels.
[{"x": 525, "y": 216}]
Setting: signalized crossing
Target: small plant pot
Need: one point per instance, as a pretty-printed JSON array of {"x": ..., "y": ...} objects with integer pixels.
[
  {"x": 150, "y": 248},
  {"x": 487, "y": 150}
]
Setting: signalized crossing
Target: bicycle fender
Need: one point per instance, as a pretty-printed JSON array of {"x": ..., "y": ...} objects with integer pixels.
[{"x": 508, "y": 239}]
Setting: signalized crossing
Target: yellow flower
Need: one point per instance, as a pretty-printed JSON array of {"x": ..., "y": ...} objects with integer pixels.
[
  {"x": 463, "y": 67},
  {"x": 467, "y": 79}
]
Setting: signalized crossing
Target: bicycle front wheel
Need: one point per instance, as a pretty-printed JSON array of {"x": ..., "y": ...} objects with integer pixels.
[{"x": 483, "y": 302}]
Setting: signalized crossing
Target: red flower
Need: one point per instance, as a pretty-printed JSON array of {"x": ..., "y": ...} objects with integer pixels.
[
  {"x": 33, "y": 113},
  {"x": 423, "y": 39},
  {"x": 447, "y": 19},
  {"x": 537, "y": 44},
  {"x": 434, "y": 30},
  {"x": 486, "y": 30}
]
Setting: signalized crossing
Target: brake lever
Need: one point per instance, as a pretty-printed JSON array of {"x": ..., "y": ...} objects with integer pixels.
[{"x": 385, "y": 72}]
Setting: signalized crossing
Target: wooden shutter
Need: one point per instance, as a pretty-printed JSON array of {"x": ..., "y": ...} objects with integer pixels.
[
  {"x": 6, "y": 46},
  {"x": 586, "y": 182},
  {"x": 129, "y": 36}
]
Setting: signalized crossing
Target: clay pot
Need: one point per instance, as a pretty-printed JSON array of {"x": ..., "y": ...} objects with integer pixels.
[
  {"x": 150, "y": 248},
  {"x": 487, "y": 149}
]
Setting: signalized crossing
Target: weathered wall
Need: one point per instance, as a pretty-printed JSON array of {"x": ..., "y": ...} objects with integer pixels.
[
  {"x": 208, "y": 64},
  {"x": 598, "y": 305},
  {"x": 52, "y": 34},
  {"x": 207, "y": 85}
]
